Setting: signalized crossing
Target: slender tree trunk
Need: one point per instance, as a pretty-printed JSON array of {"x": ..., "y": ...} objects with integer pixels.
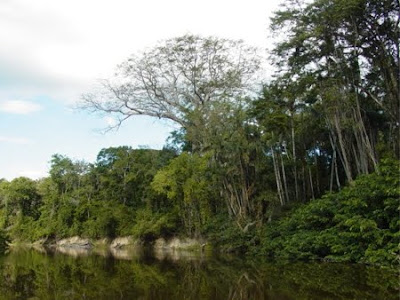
[
  {"x": 247, "y": 210},
  {"x": 284, "y": 180},
  {"x": 277, "y": 177},
  {"x": 346, "y": 166},
  {"x": 317, "y": 173},
  {"x": 304, "y": 182},
  {"x": 365, "y": 137},
  {"x": 296, "y": 189},
  {"x": 231, "y": 199},
  {"x": 357, "y": 157},
  {"x": 231, "y": 210},
  {"x": 311, "y": 183},
  {"x": 333, "y": 163},
  {"x": 334, "y": 147}
]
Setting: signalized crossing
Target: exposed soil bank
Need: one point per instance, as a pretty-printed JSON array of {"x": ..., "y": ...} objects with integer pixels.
[
  {"x": 79, "y": 244},
  {"x": 74, "y": 242},
  {"x": 179, "y": 244}
]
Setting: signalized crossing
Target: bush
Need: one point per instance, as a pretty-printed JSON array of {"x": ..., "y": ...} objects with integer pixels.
[
  {"x": 358, "y": 224},
  {"x": 228, "y": 237},
  {"x": 150, "y": 225}
]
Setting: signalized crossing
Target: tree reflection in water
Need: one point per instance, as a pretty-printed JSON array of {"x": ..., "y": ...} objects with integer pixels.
[{"x": 129, "y": 274}]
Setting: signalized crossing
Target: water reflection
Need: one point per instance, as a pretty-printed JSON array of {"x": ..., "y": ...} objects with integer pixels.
[
  {"x": 29, "y": 274},
  {"x": 176, "y": 255},
  {"x": 74, "y": 251},
  {"x": 127, "y": 252}
]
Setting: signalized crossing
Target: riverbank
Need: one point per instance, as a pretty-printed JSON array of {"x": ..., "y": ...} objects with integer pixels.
[
  {"x": 119, "y": 247},
  {"x": 358, "y": 224}
]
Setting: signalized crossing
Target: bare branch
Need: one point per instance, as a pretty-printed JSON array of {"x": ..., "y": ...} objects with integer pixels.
[{"x": 175, "y": 78}]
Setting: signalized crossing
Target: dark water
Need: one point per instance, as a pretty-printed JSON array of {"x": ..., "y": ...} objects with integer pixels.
[{"x": 30, "y": 274}]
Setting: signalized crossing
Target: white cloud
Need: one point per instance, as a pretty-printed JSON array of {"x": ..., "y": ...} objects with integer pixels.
[
  {"x": 55, "y": 50},
  {"x": 15, "y": 140},
  {"x": 58, "y": 48},
  {"x": 33, "y": 174},
  {"x": 19, "y": 107}
]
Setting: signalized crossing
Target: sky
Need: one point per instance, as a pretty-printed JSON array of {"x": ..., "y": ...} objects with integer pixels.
[{"x": 54, "y": 50}]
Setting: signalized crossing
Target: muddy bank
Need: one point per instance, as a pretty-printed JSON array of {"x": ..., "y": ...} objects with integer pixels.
[
  {"x": 74, "y": 242},
  {"x": 160, "y": 244},
  {"x": 122, "y": 248}
]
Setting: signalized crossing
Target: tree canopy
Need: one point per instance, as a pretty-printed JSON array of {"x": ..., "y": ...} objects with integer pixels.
[
  {"x": 176, "y": 77},
  {"x": 306, "y": 168}
]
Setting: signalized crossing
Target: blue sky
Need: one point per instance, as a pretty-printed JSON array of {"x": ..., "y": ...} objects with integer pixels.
[
  {"x": 53, "y": 51},
  {"x": 29, "y": 140}
]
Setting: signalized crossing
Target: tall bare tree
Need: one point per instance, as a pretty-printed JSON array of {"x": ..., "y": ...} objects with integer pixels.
[{"x": 175, "y": 78}]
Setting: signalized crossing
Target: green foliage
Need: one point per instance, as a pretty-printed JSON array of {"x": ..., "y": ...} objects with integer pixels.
[
  {"x": 224, "y": 233},
  {"x": 90, "y": 200},
  {"x": 357, "y": 224},
  {"x": 186, "y": 183},
  {"x": 20, "y": 206},
  {"x": 251, "y": 169},
  {"x": 21, "y": 197},
  {"x": 151, "y": 225},
  {"x": 105, "y": 221}
]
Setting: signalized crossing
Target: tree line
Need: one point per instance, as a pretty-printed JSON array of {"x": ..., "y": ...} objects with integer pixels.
[{"x": 247, "y": 154}]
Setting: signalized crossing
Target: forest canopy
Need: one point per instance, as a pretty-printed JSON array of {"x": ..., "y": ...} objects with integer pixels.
[{"x": 306, "y": 168}]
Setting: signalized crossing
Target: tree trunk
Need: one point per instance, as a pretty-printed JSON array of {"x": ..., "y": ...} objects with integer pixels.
[
  {"x": 294, "y": 160},
  {"x": 277, "y": 178},
  {"x": 346, "y": 164},
  {"x": 284, "y": 180}
]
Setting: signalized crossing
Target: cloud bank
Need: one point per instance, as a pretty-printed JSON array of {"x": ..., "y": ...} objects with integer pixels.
[
  {"x": 15, "y": 140},
  {"x": 19, "y": 107}
]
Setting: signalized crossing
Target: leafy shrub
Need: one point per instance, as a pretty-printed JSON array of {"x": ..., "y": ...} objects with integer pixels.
[
  {"x": 150, "y": 225},
  {"x": 226, "y": 235},
  {"x": 358, "y": 224}
]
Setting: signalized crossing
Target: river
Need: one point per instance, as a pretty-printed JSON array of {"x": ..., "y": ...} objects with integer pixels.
[{"x": 32, "y": 274}]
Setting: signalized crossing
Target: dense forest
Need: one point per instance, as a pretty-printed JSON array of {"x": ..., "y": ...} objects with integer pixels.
[{"x": 305, "y": 167}]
